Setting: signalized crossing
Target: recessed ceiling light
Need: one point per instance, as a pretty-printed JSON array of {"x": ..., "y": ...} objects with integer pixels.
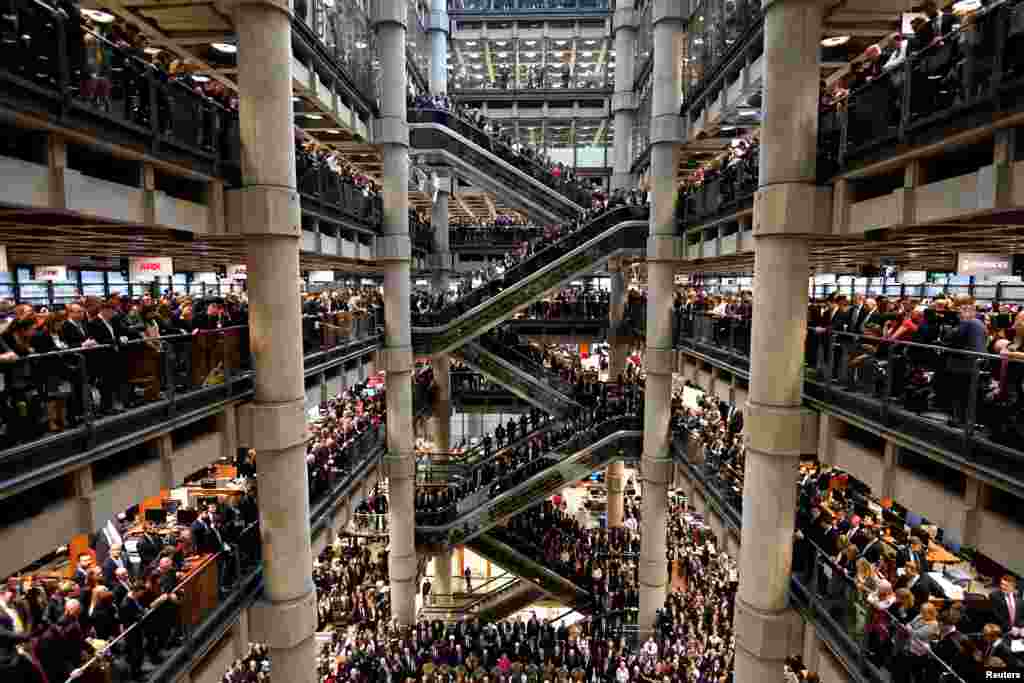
[
  {"x": 98, "y": 16},
  {"x": 588, "y": 53},
  {"x": 361, "y": 45},
  {"x": 315, "y": 117},
  {"x": 835, "y": 41},
  {"x": 200, "y": 79},
  {"x": 226, "y": 48},
  {"x": 471, "y": 43},
  {"x": 501, "y": 43},
  {"x": 152, "y": 51},
  {"x": 965, "y": 6},
  {"x": 296, "y": 99}
]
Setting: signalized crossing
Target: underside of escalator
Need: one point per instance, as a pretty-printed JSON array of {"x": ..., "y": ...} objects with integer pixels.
[
  {"x": 520, "y": 375},
  {"x": 442, "y": 139},
  {"x": 621, "y": 230},
  {"x": 582, "y": 452}
]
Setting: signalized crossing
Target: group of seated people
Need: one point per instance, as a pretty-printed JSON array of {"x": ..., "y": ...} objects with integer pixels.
[
  {"x": 45, "y": 393},
  {"x": 348, "y": 575},
  {"x": 51, "y": 627},
  {"x": 336, "y": 448}
]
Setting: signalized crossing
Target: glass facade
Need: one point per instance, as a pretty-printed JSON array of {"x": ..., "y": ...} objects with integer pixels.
[
  {"x": 343, "y": 26},
  {"x": 504, "y": 7},
  {"x": 716, "y": 28},
  {"x": 513, "y": 64}
]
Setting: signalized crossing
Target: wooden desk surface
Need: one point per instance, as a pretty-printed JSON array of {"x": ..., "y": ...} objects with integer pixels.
[{"x": 937, "y": 553}]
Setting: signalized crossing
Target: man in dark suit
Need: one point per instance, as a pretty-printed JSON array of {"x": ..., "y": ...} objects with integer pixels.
[
  {"x": 73, "y": 331},
  {"x": 921, "y": 585},
  {"x": 81, "y": 576},
  {"x": 115, "y": 560},
  {"x": 107, "y": 366},
  {"x": 914, "y": 552},
  {"x": 1006, "y": 607},
  {"x": 130, "y": 611},
  {"x": 205, "y": 536}
]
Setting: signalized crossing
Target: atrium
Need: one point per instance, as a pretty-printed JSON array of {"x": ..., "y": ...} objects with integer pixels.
[{"x": 439, "y": 340}]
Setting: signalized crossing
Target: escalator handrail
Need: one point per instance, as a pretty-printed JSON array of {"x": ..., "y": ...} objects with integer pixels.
[
  {"x": 609, "y": 438},
  {"x": 530, "y": 276},
  {"x": 444, "y": 123}
]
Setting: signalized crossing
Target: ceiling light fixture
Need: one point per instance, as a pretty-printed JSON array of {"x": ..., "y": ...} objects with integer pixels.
[
  {"x": 226, "y": 48},
  {"x": 835, "y": 41},
  {"x": 965, "y": 6},
  {"x": 98, "y": 16},
  {"x": 471, "y": 43},
  {"x": 201, "y": 79},
  {"x": 315, "y": 117},
  {"x": 361, "y": 45},
  {"x": 152, "y": 51}
]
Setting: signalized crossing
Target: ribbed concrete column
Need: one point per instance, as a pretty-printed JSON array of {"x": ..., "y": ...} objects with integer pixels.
[
  {"x": 438, "y": 30},
  {"x": 785, "y": 211},
  {"x": 662, "y": 251},
  {"x": 394, "y": 250},
  {"x": 442, "y": 435},
  {"x": 271, "y": 224},
  {"x": 616, "y": 312},
  {"x": 442, "y": 268},
  {"x": 443, "y": 573},
  {"x": 624, "y": 25}
]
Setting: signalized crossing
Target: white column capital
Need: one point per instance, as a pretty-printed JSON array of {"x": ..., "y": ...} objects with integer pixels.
[
  {"x": 795, "y": 208},
  {"x": 667, "y": 128}
]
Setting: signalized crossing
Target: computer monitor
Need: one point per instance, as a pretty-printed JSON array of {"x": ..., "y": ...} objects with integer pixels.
[{"x": 156, "y": 516}]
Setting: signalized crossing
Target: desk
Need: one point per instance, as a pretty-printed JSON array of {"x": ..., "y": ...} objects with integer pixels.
[
  {"x": 938, "y": 554},
  {"x": 199, "y": 588},
  {"x": 951, "y": 590}
]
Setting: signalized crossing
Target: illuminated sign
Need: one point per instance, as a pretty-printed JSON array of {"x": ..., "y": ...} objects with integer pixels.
[
  {"x": 147, "y": 269},
  {"x": 52, "y": 273}
]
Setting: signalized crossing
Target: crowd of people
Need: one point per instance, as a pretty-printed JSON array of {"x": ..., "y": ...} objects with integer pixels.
[
  {"x": 736, "y": 173},
  {"x": 51, "y": 629},
  {"x": 601, "y": 561},
  {"x": 45, "y": 393},
  {"x": 349, "y": 576},
  {"x": 536, "y": 163},
  {"x": 338, "y": 440},
  {"x": 254, "y": 667}
]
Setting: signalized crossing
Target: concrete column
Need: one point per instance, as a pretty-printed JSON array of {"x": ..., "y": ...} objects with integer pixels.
[
  {"x": 616, "y": 312},
  {"x": 613, "y": 478},
  {"x": 624, "y": 25},
  {"x": 394, "y": 251},
  {"x": 270, "y": 222},
  {"x": 443, "y": 573},
  {"x": 662, "y": 250},
  {"x": 785, "y": 210},
  {"x": 443, "y": 402},
  {"x": 438, "y": 29}
]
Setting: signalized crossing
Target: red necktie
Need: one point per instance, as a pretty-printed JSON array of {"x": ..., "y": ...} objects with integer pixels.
[{"x": 1012, "y": 609}]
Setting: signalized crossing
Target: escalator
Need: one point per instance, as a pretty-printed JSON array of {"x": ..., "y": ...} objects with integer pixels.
[
  {"x": 440, "y": 138},
  {"x": 531, "y": 383},
  {"x": 618, "y": 232},
  {"x": 587, "y": 451},
  {"x": 531, "y": 571}
]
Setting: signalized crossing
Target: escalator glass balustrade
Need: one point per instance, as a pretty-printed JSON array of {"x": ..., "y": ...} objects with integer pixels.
[{"x": 619, "y": 230}]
